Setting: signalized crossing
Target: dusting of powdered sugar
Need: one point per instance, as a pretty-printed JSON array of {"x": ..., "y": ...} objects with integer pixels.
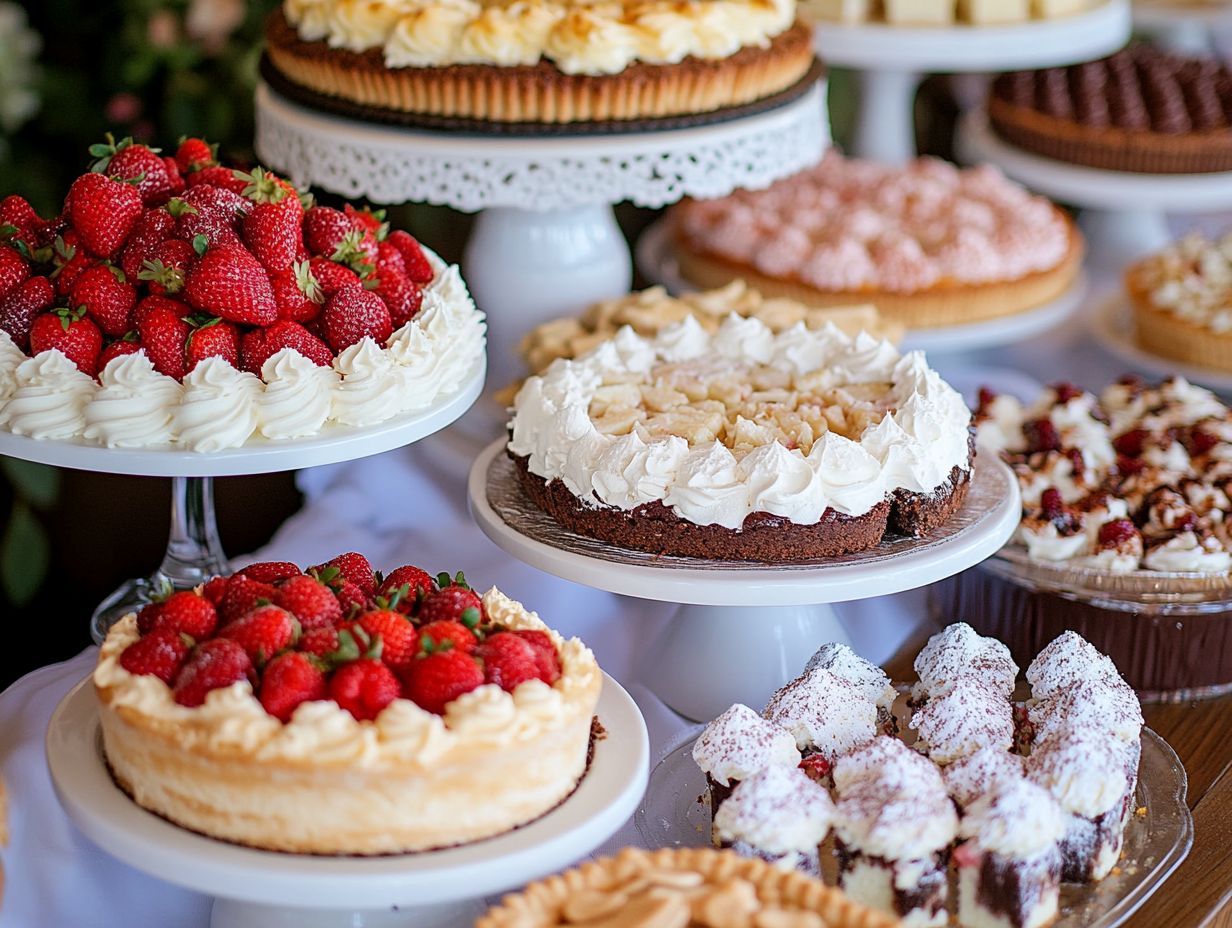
[
  {"x": 870, "y": 679},
  {"x": 740, "y": 742},
  {"x": 887, "y": 760},
  {"x": 959, "y": 652},
  {"x": 1104, "y": 704},
  {"x": 825, "y": 712},
  {"x": 1066, "y": 660},
  {"x": 969, "y": 716},
  {"x": 778, "y": 810},
  {"x": 970, "y": 777}
]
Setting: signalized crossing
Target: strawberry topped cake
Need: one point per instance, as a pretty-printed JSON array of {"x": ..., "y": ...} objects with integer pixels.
[
  {"x": 336, "y": 711},
  {"x": 178, "y": 303}
]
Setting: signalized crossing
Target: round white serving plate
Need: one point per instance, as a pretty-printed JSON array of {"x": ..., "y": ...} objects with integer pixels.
[
  {"x": 658, "y": 264},
  {"x": 264, "y": 888},
  {"x": 258, "y": 455}
]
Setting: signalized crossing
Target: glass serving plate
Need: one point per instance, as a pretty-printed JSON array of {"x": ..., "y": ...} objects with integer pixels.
[{"x": 676, "y": 813}]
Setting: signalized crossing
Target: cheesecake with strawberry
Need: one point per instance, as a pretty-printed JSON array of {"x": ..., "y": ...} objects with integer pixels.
[
  {"x": 339, "y": 711},
  {"x": 179, "y": 303}
]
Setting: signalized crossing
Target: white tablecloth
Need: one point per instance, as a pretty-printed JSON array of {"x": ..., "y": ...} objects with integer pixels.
[{"x": 405, "y": 506}]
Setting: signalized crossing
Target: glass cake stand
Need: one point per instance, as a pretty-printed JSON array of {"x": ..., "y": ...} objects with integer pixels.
[
  {"x": 676, "y": 813},
  {"x": 657, "y": 263},
  {"x": 194, "y": 552},
  {"x": 1124, "y": 213},
  {"x": 890, "y": 61},
  {"x": 267, "y": 889},
  {"x": 708, "y": 657}
]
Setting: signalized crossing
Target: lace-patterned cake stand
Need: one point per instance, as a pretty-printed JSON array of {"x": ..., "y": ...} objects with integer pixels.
[
  {"x": 743, "y": 628},
  {"x": 194, "y": 551},
  {"x": 1124, "y": 214},
  {"x": 546, "y": 243},
  {"x": 266, "y": 889},
  {"x": 890, "y": 61}
]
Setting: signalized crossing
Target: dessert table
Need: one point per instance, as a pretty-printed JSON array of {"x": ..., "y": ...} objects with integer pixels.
[{"x": 56, "y": 877}]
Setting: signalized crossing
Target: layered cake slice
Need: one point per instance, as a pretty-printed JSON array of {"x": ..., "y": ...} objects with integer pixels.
[
  {"x": 738, "y": 744},
  {"x": 778, "y": 814},
  {"x": 1009, "y": 869}
]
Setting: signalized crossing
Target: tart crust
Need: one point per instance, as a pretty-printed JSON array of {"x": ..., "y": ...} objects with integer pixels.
[
  {"x": 1164, "y": 333},
  {"x": 356, "y": 788},
  {"x": 541, "y": 93},
  {"x": 1109, "y": 147},
  {"x": 566, "y": 899},
  {"x": 949, "y": 303}
]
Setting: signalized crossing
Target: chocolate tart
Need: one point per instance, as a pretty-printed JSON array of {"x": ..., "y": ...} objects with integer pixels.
[
  {"x": 541, "y": 93},
  {"x": 1140, "y": 110}
]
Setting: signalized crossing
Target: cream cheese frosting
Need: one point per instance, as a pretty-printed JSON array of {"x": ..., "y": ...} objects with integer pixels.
[
  {"x": 636, "y": 421},
  {"x": 870, "y": 679},
  {"x": 739, "y": 743},
  {"x": 1084, "y": 770},
  {"x": 777, "y": 810},
  {"x": 824, "y": 712},
  {"x": 895, "y": 823},
  {"x": 1017, "y": 819},
  {"x": 595, "y": 38},
  {"x": 233, "y": 719},
  {"x": 218, "y": 407}
]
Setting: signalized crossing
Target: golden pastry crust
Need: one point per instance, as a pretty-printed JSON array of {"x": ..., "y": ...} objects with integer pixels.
[
  {"x": 680, "y": 887},
  {"x": 541, "y": 93},
  {"x": 1164, "y": 333},
  {"x": 951, "y": 303}
]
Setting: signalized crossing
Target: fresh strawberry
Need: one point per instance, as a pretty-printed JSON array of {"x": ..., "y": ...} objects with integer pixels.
[
  {"x": 351, "y": 566},
  {"x": 1131, "y": 443},
  {"x": 289, "y": 680},
  {"x": 107, "y": 296},
  {"x": 324, "y": 229},
  {"x": 336, "y": 644},
  {"x": 434, "y": 681},
  {"x": 389, "y": 260},
  {"x": 364, "y": 688},
  {"x": 332, "y": 278},
  {"x": 263, "y": 632},
  {"x": 213, "y": 664},
  {"x": 25, "y": 303},
  {"x": 13, "y": 270},
  {"x": 297, "y": 293},
  {"x": 148, "y": 615},
  {"x": 1041, "y": 435},
  {"x": 217, "y": 176},
  {"x": 175, "y": 179},
  {"x": 399, "y": 640},
  {"x": 417, "y": 267},
  {"x": 103, "y": 212},
  {"x": 167, "y": 267},
  {"x": 817, "y": 768},
  {"x": 189, "y": 612},
  {"x": 418, "y": 583},
  {"x": 270, "y": 571},
  {"x": 358, "y": 251},
  {"x": 454, "y": 601},
  {"x": 72, "y": 334},
  {"x": 547, "y": 658},
  {"x": 228, "y": 281},
  {"x": 70, "y": 260},
  {"x": 195, "y": 155},
  {"x": 153, "y": 228},
  {"x": 214, "y": 590},
  {"x": 19, "y": 218},
  {"x": 402, "y": 297},
  {"x": 211, "y": 338},
  {"x": 259, "y": 345},
  {"x": 368, "y": 221},
  {"x": 354, "y": 314},
  {"x": 508, "y": 661},
  {"x": 1198, "y": 441},
  {"x": 310, "y": 601},
  {"x": 351, "y": 599},
  {"x": 164, "y": 332},
  {"x": 213, "y": 212},
  {"x": 271, "y": 229},
  {"x": 438, "y": 636},
  {"x": 128, "y": 343},
  {"x": 160, "y": 654},
  {"x": 244, "y": 595},
  {"x": 142, "y": 166},
  {"x": 1116, "y": 532}
]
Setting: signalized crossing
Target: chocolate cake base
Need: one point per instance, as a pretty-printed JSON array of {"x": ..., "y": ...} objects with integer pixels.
[{"x": 1165, "y": 654}]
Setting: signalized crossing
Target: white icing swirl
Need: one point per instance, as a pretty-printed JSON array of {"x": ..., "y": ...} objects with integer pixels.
[
  {"x": 219, "y": 407},
  {"x": 11, "y": 357},
  {"x": 297, "y": 398},
  {"x": 49, "y": 398},
  {"x": 134, "y": 407},
  {"x": 369, "y": 391}
]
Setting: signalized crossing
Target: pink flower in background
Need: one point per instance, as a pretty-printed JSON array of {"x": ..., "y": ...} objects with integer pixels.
[
  {"x": 123, "y": 108},
  {"x": 163, "y": 29},
  {"x": 211, "y": 22}
]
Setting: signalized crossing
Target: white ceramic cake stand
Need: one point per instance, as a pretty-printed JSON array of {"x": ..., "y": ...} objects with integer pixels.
[
  {"x": 1124, "y": 214},
  {"x": 546, "y": 243},
  {"x": 264, "y": 889},
  {"x": 657, "y": 263},
  {"x": 194, "y": 552},
  {"x": 890, "y": 61},
  {"x": 1184, "y": 28},
  {"x": 743, "y": 629}
]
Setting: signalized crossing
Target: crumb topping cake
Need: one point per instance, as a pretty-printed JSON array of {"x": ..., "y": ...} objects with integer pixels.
[
  {"x": 541, "y": 60},
  {"x": 743, "y": 443},
  {"x": 1134, "y": 479},
  {"x": 680, "y": 888},
  {"x": 1017, "y": 796},
  {"x": 929, "y": 244},
  {"x": 1182, "y": 301},
  {"x": 283, "y": 727}
]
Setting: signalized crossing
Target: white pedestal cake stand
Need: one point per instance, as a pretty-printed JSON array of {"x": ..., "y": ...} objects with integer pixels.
[
  {"x": 1184, "y": 28},
  {"x": 1124, "y": 214},
  {"x": 743, "y": 629},
  {"x": 890, "y": 61},
  {"x": 546, "y": 243},
  {"x": 657, "y": 263},
  {"x": 264, "y": 889},
  {"x": 194, "y": 552}
]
